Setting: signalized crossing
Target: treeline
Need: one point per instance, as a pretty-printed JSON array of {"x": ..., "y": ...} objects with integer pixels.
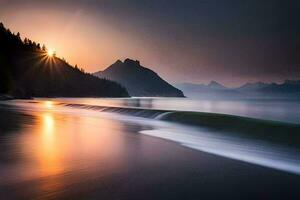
[
  {"x": 28, "y": 44},
  {"x": 27, "y": 71}
]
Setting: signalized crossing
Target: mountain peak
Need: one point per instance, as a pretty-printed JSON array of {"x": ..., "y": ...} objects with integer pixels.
[
  {"x": 253, "y": 86},
  {"x": 213, "y": 83},
  {"x": 130, "y": 62},
  {"x": 216, "y": 85},
  {"x": 139, "y": 80},
  {"x": 118, "y": 62},
  {"x": 127, "y": 63}
]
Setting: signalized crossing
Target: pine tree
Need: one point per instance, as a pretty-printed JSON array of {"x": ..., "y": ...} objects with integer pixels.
[
  {"x": 19, "y": 36},
  {"x": 26, "y": 41}
]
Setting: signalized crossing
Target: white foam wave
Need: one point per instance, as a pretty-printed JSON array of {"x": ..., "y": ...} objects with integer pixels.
[{"x": 251, "y": 151}]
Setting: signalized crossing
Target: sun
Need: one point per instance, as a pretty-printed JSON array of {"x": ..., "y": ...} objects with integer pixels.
[{"x": 50, "y": 52}]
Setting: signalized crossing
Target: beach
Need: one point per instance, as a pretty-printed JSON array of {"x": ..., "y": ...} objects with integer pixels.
[{"x": 50, "y": 151}]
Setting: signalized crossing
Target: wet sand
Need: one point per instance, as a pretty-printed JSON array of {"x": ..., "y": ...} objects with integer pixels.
[{"x": 49, "y": 154}]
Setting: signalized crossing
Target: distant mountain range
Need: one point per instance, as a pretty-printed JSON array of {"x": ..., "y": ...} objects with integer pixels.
[
  {"x": 287, "y": 89},
  {"x": 26, "y": 70},
  {"x": 253, "y": 86},
  {"x": 139, "y": 80}
]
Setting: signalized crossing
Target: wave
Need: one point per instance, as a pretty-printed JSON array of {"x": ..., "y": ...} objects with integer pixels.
[
  {"x": 273, "y": 131},
  {"x": 262, "y": 142},
  {"x": 242, "y": 149},
  {"x": 266, "y": 143},
  {"x": 138, "y": 112}
]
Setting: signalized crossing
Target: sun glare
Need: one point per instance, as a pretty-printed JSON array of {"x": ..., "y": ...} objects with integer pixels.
[
  {"x": 48, "y": 104},
  {"x": 51, "y": 52}
]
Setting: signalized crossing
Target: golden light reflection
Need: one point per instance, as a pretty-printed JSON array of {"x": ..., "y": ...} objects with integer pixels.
[
  {"x": 60, "y": 143},
  {"x": 48, "y": 151},
  {"x": 49, "y": 104},
  {"x": 48, "y": 123}
]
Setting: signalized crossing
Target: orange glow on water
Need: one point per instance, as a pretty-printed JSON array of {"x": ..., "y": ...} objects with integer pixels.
[
  {"x": 48, "y": 123},
  {"x": 49, "y": 154},
  {"x": 58, "y": 144},
  {"x": 49, "y": 104}
]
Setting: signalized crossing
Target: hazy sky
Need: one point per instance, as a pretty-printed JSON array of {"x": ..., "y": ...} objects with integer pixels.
[{"x": 231, "y": 41}]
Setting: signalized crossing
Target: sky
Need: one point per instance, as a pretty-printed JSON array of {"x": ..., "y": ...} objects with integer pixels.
[{"x": 230, "y": 41}]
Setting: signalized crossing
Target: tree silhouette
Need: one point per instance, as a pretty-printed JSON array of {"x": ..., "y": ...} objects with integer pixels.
[
  {"x": 18, "y": 35},
  {"x": 44, "y": 47}
]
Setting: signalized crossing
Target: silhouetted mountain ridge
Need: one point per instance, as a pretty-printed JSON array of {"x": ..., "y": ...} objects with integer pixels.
[
  {"x": 216, "y": 85},
  {"x": 288, "y": 86},
  {"x": 139, "y": 80},
  {"x": 287, "y": 89},
  {"x": 212, "y": 86},
  {"x": 252, "y": 86},
  {"x": 27, "y": 71}
]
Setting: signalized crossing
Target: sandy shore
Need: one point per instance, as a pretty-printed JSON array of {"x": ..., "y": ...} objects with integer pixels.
[{"x": 50, "y": 155}]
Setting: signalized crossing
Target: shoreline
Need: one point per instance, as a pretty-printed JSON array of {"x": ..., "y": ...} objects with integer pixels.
[
  {"x": 268, "y": 130},
  {"x": 137, "y": 166}
]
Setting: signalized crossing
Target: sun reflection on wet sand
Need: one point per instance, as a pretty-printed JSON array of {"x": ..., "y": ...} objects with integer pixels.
[
  {"x": 48, "y": 123},
  {"x": 60, "y": 149},
  {"x": 49, "y": 104},
  {"x": 48, "y": 152}
]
